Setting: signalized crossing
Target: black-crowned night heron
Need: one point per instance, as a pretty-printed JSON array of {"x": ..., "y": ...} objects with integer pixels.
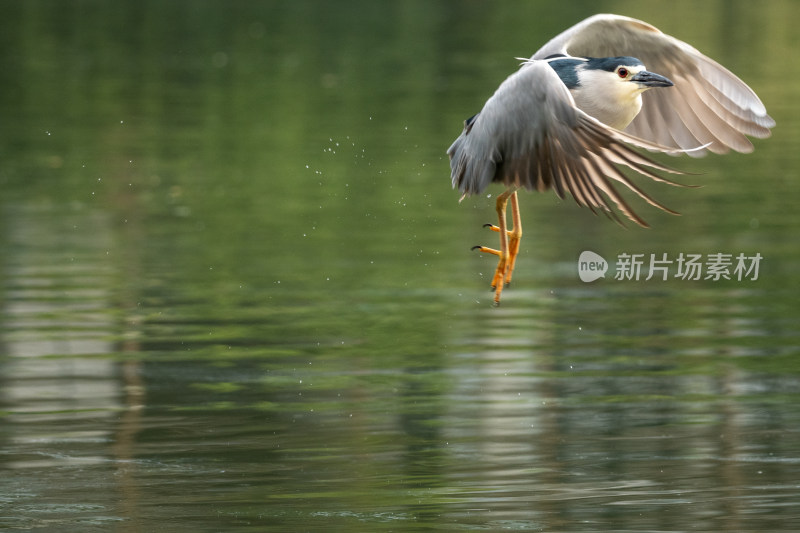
[{"x": 569, "y": 118}]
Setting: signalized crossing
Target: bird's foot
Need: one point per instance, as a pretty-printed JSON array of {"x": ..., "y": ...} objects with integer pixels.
[
  {"x": 514, "y": 237},
  {"x": 502, "y": 275}
]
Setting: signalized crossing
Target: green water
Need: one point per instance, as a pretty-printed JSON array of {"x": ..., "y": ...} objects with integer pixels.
[{"x": 238, "y": 292}]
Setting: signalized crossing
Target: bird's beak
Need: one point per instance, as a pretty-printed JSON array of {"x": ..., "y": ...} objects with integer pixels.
[{"x": 651, "y": 79}]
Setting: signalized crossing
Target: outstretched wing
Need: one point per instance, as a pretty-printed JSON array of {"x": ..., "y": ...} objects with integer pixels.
[
  {"x": 709, "y": 105},
  {"x": 530, "y": 134}
]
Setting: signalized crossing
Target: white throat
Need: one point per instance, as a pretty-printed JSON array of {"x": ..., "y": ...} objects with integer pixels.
[{"x": 610, "y": 100}]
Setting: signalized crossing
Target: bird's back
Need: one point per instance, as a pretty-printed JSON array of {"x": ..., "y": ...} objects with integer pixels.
[{"x": 502, "y": 143}]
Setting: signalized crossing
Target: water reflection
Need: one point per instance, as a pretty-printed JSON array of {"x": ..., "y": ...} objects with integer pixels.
[
  {"x": 56, "y": 302},
  {"x": 569, "y": 405},
  {"x": 64, "y": 397},
  {"x": 607, "y": 428}
]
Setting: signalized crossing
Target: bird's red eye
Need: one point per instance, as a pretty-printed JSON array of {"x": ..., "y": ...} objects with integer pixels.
[{"x": 623, "y": 72}]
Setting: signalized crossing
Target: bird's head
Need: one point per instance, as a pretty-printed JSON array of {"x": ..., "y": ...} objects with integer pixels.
[
  {"x": 618, "y": 76},
  {"x": 608, "y": 88}
]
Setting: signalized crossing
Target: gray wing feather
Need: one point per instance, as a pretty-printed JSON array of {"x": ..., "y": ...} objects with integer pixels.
[
  {"x": 708, "y": 105},
  {"x": 530, "y": 134}
]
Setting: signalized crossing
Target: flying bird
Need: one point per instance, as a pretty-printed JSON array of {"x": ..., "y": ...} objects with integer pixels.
[{"x": 574, "y": 114}]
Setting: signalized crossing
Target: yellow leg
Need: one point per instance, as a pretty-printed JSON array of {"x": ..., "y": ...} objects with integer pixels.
[
  {"x": 509, "y": 242},
  {"x": 514, "y": 236}
]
